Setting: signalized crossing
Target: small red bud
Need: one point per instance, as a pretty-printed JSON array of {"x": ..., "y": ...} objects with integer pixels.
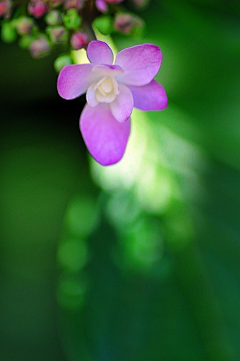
[
  {"x": 79, "y": 40},
  {"x": 5, "y": 7},
  {"x": 37, "y": 8}
]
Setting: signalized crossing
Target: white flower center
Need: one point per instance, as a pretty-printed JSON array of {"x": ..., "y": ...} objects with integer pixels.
[
  {"x": 106, "y": 86},
  {"x": 106, "y": 90}
]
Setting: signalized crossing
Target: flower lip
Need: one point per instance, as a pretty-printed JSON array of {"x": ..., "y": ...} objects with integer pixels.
[
  {"x": 105, "y": 138},
  {"x": 107, "y": 70},
  {"x": 107, "y": 85},
  {"x": 104, "y": 91}
]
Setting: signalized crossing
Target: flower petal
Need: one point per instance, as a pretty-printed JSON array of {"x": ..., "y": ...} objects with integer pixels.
[
  {"x": 140, "y": 64},
  {"x": 99, "y": 52},
  {"x": 74, "y": 80},
  {"x": 105, "y": 137},
  {"x": 122, "y": 106},
  {"x": 91, "y": 96},
  {"x": 107, "y": 70},
  {"x": 149, "y": 97}
]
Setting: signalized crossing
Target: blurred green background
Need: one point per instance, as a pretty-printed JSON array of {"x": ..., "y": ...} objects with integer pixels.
[{"x": 141, "y": 261}]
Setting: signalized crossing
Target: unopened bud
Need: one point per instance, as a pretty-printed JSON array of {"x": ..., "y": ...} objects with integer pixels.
[
  {"x": 57, "y": 34},
  {"x": 140, "y": 4},
  {"x": 113, "y": 1},
  {"x": 101, "y": 6},
  {"x": 79, "y": 40},
  {"x": 37, "y": 8},
  {"x": 24, "y": 25},
  {"x": 5, "y": 7},
  {"x": 8, "y": 33},
  {"x": 53, "y": 18},
  {"x": 54, "y": 3},
  {"x": 127, "y": 23},
  {"x": 40, "y": 47},
  {"x": 71, "y": 19},
  {"x": 25, "y": 41},
  {"x": 74, "y": 4},
  {"x": 104, "y": 24},
  {"x": 61, "y": 61}
]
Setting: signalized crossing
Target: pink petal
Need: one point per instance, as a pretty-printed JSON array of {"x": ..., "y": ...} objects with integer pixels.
[
  {"x": 99, "y": 52},
  {"x": 74, "y": 80},
  {"x": 107, "y": 70},
  {"x": 91, "y": 96},
  {"x": 140, "y": 64},
  {"x": 105, "y": 137},
  {"x": 149, "y": 97},
  {"x": 122, "y": 106}
]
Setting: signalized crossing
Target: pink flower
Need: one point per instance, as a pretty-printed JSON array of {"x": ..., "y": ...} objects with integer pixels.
[{"x": 112, "y": 91}]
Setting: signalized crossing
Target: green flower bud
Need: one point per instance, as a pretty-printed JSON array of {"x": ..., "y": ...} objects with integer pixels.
[
  {"x": 128, "y": 24},
  {"x": 140, "y": 4},
  {"x": 61, "y": 61},
  {"x": 104, "y": 24},
  {"x": 72, "y": 20},
  {"x": 8, "y": 33},
  {"x": 40, "y": 47},
  {"x": 54, "y": 3},
  {"x": 24, "y": 25},
  {"x": 25, "y": 41},
  {"x": 74, "y": 4},
  {"x": 53, "y": 18},
  {"x": 57, "y": 34}
]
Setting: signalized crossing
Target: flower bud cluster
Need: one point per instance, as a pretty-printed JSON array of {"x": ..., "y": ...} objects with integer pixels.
[
  {"x": 41, "y": 25},
  {"x": 5, "y": 8}
]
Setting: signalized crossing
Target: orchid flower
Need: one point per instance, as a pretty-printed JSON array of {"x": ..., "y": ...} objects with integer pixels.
[{"x": 112, "y": 92}]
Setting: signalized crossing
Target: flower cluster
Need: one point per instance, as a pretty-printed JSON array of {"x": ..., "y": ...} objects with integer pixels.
[
  {"x": 40, "y": 25},
  {"x": 112, "y": 90}
]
